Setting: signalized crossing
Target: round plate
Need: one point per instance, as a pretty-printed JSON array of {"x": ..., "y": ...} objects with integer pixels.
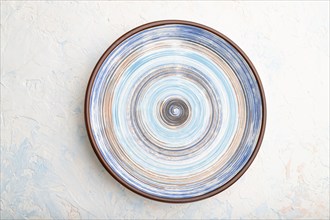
[{"x": 175, "y": 111}]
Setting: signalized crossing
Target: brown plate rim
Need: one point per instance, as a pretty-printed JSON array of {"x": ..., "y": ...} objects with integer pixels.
[{"x": 96, "y": 149}]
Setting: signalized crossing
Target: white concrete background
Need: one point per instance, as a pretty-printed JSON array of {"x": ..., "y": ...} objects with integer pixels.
[{"x": 48, "y": 168}]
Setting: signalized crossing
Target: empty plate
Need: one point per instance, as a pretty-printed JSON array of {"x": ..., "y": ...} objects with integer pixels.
[{"x": 175, "y": 111}]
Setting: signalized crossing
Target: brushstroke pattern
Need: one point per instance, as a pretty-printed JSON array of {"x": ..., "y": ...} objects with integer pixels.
[{"x": 175, "y": 111}]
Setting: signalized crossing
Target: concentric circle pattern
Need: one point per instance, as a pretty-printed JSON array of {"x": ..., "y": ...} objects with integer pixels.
[{"x": 175, "y": 111}]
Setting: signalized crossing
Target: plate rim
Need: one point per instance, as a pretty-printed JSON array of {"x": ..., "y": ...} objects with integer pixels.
[{"x": 97, "y": 150}]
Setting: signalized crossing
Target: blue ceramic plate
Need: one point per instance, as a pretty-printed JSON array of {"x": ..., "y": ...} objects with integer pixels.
[{"x": 175, "y": 111}]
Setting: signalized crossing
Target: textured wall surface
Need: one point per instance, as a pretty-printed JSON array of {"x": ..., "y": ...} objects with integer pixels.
[{"x": 48, "y": 168}]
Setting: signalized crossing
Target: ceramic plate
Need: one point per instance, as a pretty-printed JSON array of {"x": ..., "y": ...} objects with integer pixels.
[{"x": 175, "y": 111}]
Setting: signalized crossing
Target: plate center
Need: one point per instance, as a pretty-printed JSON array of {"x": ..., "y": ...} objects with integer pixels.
[{"x": 174, "y": 111}]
